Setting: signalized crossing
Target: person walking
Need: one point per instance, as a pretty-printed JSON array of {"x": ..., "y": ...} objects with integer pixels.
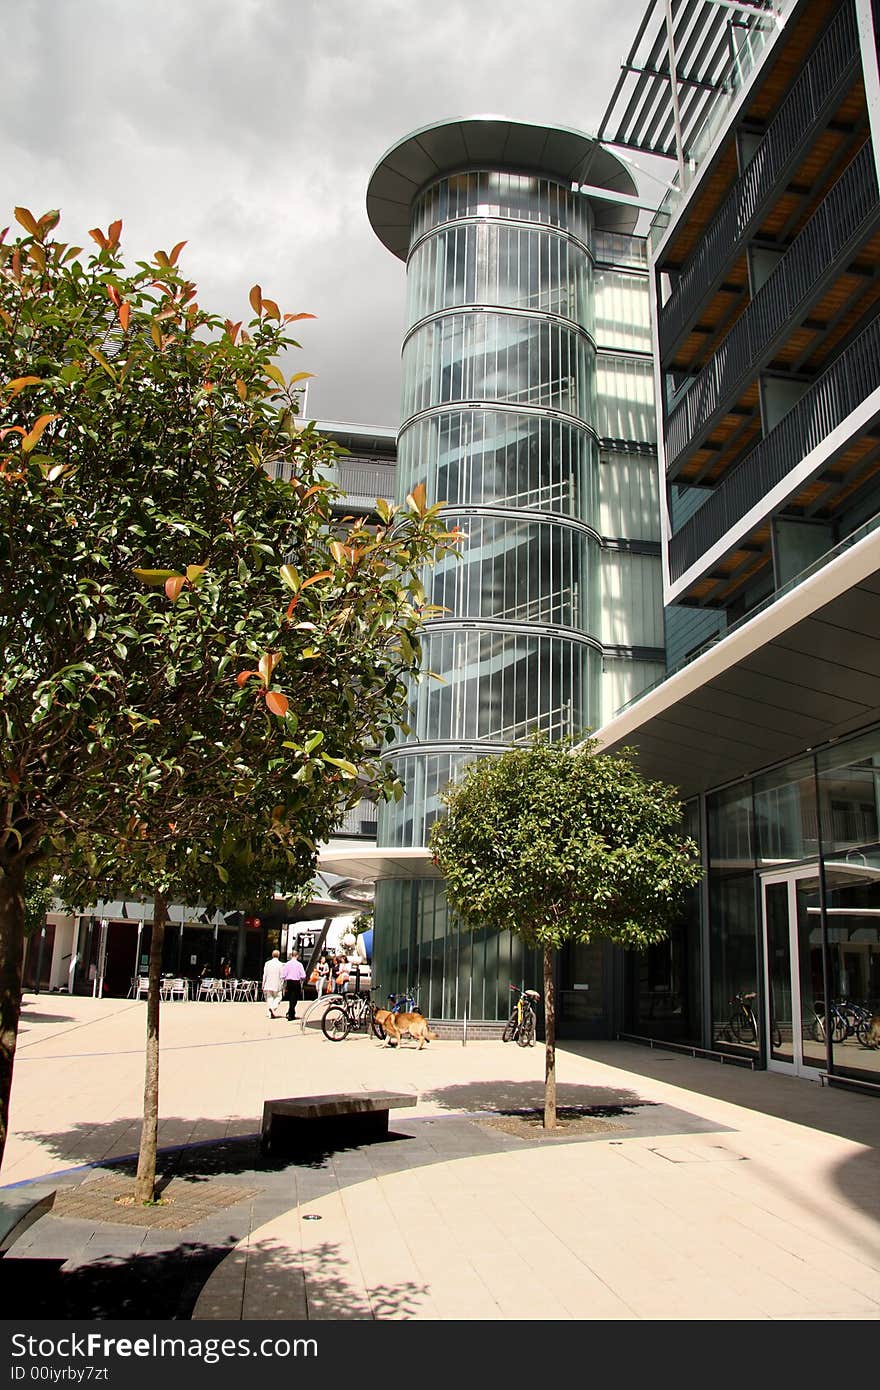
[
  {"x": 293, "y": 975},
  {"x": 272, "y": 983}
]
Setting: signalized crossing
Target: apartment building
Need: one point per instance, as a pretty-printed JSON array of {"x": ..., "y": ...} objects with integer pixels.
[{"x": 765, "y": 291}]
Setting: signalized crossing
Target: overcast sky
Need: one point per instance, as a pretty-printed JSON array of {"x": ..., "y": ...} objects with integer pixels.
[{"x": 251, "y": 127}]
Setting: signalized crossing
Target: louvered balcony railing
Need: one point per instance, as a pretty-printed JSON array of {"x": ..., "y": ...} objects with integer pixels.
[
  {"x": 844, "y": 218},
  {"x": 847, "y": 382},
  {"x": 806, "y": 107}
]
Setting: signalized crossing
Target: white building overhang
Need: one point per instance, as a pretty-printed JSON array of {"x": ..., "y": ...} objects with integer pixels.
[
  {"x": 370, "y": 862},
  {"x": 802, "y": 672},
  {"x": 317, "y": 910}
]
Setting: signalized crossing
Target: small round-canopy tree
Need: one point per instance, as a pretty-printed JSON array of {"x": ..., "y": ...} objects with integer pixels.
[{"x": 559, "y": 843}]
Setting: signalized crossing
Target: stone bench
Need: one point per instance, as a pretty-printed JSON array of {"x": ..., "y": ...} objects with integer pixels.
[
  {"x": 311, "y": 1121},
  {"x": 19, "y": 1209}
]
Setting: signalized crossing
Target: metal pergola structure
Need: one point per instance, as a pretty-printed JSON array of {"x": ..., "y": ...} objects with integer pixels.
[{"x": 694, "y": 42}]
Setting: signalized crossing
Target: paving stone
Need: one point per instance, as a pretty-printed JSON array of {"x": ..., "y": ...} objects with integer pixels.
[{"x": 725, "y": 1195}]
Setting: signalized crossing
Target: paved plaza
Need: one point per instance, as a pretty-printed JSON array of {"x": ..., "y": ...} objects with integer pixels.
[{"x": 701, "y": 1192}]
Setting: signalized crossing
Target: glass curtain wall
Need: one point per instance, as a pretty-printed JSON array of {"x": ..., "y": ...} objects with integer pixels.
[
  {"x": 501, "y": 686},
  {"x": 663, "y": 985},
  {"x": 848, "y": 784},
  {"x": 499, "y": 421},
  {"x": 815, "y": 822},
  {"x": 455, "y": 973},
  {"x": 504, "y": 458},
  {"x": 733, "y": 941}
]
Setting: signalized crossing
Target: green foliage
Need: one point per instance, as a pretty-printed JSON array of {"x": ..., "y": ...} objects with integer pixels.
[
  {"x": 37, "y": 902},
  {"x": 559, "y": 843},
  {"x": 363, "y": 923},
  {"x": 200, "y": 664}
]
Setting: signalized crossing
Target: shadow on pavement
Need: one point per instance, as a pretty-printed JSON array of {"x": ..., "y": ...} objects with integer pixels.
[
  {"x": 84, "y": 1145},
  {"x": 28, "y": 1016},
  {"x": 317, "y": 1284},
  {"x": 165, "y": 1284},
  {"x": 858, "y": 1179},
  {"x": 150, "y": 1284},
  {"x": 830, "y": 1110},
  {"x": 502, "y": 1096}
]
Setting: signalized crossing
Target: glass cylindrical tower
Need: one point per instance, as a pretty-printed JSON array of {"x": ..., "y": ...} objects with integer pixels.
[{"x": 499, "y": 420}]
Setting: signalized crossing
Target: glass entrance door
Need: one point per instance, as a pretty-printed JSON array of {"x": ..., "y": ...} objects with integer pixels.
[{"x": 793, "y": 972}]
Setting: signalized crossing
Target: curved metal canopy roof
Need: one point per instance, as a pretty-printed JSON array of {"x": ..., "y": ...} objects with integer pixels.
[{"x": 493, "y": 142}]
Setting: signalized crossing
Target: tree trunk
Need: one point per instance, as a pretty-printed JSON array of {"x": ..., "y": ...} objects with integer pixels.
[
  {"x": 11, "y": 962},
  {"x": 145, "y": 1182},
  {"x": 549, "y": 1041}
]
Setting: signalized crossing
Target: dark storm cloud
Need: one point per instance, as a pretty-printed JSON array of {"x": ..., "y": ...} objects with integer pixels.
[{"x": 251, "y": 127}]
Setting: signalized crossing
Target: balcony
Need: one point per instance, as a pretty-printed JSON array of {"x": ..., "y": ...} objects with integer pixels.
[
  {"x": 823, "y": 246},
  {"x": 359, "y": 821},
  {"x": 805, "y": 109},
  {"x": 838, "y": 392},
  {"x": 362, "y": 481}
]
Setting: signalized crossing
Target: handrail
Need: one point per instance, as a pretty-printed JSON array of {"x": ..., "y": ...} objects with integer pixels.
[
  {"x": 825, "y": 240},
  {"x": 831, "y": 63},
  {"x": 748, "y": 52},
  {"x": 846, "y": 383}
]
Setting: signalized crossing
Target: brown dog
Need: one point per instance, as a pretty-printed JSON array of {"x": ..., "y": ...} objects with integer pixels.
[
  {"x": 873, "y": 1034},
  {"x": 398, "y": 1026}
]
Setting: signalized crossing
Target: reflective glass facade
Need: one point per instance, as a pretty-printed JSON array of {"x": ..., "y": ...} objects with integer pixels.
[
  {"x": 794, "y": 912},
  {"x": 500, "y": 301},
  {"x": 505, "y": 357},
  {"x": 456, "y": 973},
  {"x": 663, "y": 986},
  {"x": 512, "y": 319},
  {"x": 520, "y": 267},
  {"x": 424, "y": 774},
  {"x": 493, "y": 193},
  {"x": 507, "y": 458},
  {"x": 521, "y": 569},
  {"x": 501, "y": 684}
]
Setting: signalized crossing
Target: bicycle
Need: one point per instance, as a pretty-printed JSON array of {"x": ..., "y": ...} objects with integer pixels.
[
  {"x": 848, "y": 1020},
  {"x": 819, "y": 1027},
  {"x": 521, "y": 1027},
  {"x": 353, "y": 1013},
  {"x": 856, "y": 1017},
  {"x": 316, "y": 1009},
  {"x": 868, "y": 1031},
  {"x": 406, "y": 1003},
  {"x": 743, "y": 1023}
]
